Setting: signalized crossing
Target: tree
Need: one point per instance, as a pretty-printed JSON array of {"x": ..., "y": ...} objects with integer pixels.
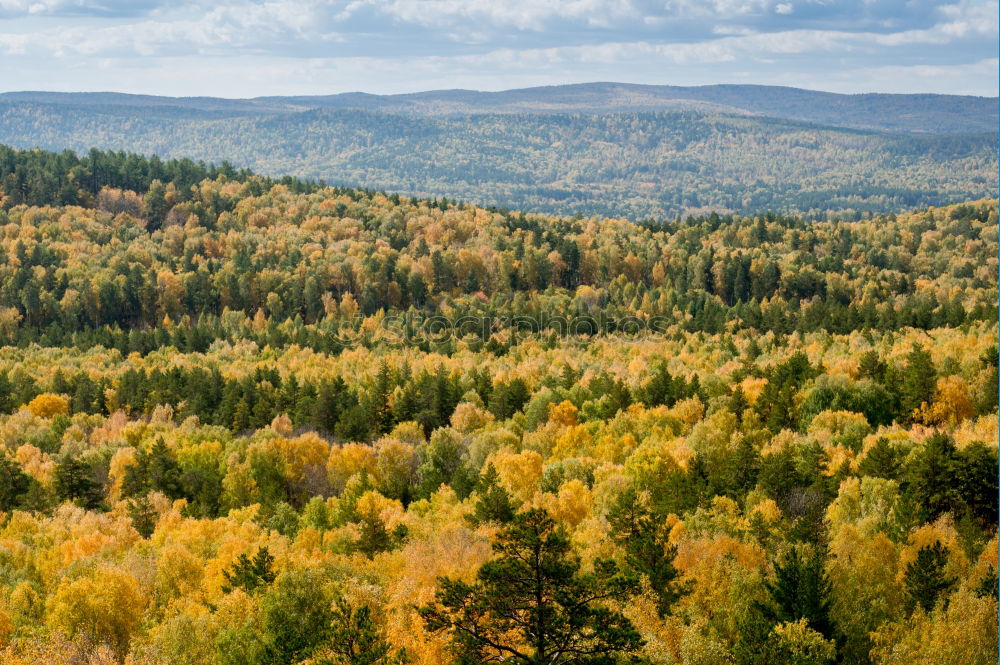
[
  {"x": 154, "y": 470},
  {"x": 374, "y": 537},
  {"x": 443, "y": 461},
  {"x": 933, "y": 477},
  {"x": 14, "y": 483},
  {"x": 296, "y": 613},
  {"x": 356, "y": 640},
  {"x": 925, "y": 579},
  {"x": 881, "y": 461},
  {"x": 143, "y": 516},
  {"x": 871, "y": 366},
  {"x": 493, "y": 502},
  {"x": 508, "y": 398},
  {"x": 74, "y": 481},
  {"x": 157, "y": 206},
  {"x": 47, "y": 405},
  {"x": 104, "y": 607},
  {"x": 250, "y": 574},
  {"x": 919, "y": 379},
  {"x": 795, "y": 643},
  {"x": 800, "y": 590},
  {"x": 531, "y": 605},
  {"x": 976, "y": 473},
  {"x": 647, "y": 552}
]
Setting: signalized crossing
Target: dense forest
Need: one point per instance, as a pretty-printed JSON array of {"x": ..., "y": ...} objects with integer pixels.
[
  {"x": 252, "y": 421},
  {"x": 636, "y": 164},
  {"x": 897, "y": 113}
]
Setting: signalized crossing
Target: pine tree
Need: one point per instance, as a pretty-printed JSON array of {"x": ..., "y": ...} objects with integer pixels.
[
  {"x": 493, "y": 502},
  {"x": 154, "y": 470},
  {"x": 14, "y": 483},
  {"x": 925, "y": 579},
  {"x": 74, "y": 481},
  {"x": 919, "y": 379},
  {"x": 800, "y": 590},
  {"x": 870, "y": 366},
  {"x": 375, "y": 538},
  {"x": 933, "y": 477},
  {"x": 508, "y": 398},
  {"x": 356, "y": 640},
  {"x": 531, "y": 605},
  {"x": 143, "y": 516},
  {"x": 250, "y": 574},
  {"x": 637, "y": 530},
  {"x": 881, "y": 461}
]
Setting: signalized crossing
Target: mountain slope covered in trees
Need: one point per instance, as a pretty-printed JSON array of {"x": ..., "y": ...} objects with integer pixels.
[
  {"x": 276, "y": 423},
  {"x": 914, "y": 113},
  {"x": 660, "y": 164}
]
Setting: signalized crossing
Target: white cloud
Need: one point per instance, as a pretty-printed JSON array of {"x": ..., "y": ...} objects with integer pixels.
[
  {"x": 964, "y": 21},
  {"x": 304, "y": 46},
  {"x": 520, "y": 14}
]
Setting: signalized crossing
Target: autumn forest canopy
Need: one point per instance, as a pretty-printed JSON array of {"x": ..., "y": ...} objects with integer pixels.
[{"x": 253, "y": 420}]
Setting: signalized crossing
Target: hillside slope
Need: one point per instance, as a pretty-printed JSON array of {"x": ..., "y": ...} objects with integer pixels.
[
  {"x": 643, "y": 164},
  {"x": 240, "y": 417},
  {"x": 914, "y": 113}
]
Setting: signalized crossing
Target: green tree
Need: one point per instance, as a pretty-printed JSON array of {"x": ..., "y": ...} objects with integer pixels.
[
  {"x": 531, "y": 605},
  {"x": 443, "y": 461},
  {"x": 143, "y": 516},
  {"x": 14, "y": 483},
  {"x": 374, "y": 537},
  {"x": 639, "y": 532},
  {"x": 284, "y": 520},
  {"x": 919, "y": 380},
  {"x": 297, "y": 614},
  {"x": 933, "y": 477},
  {"x": 74, "y": 481},
  {"x": 508, "y": 398},
  {"x": 154, "y": 470},
  {"x": 871, "y": 366},
  {"x": 800, "y": 590},
  {"x": 355, "y": 639},
  {"x": 925, "y": 579},
  {"x": 250, "y": 574},
  {"x": 493, "y": 502}
]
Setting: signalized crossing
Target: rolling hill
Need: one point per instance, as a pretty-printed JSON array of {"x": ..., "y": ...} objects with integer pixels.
[{"x": 609, "y": 149}]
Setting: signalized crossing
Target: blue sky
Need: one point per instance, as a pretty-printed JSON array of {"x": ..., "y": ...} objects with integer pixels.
[{"x": 232, "y": 48}]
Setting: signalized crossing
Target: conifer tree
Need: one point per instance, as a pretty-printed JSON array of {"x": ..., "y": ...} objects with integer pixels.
[
  {"x": 531, "y": 604},
  {"x": 800, "y": 590},
  {"x": 14, "y": 483},
  {"x": 250, "y": 574},
  {"x": 74, "y": 481},
  {"x": 925, "y": 579},
  {"x": 355, "y": 639},
  {"x": 493, "y": 502},
  {"x": 154, "y": 470},
  {"x": 639, "y": 532}
]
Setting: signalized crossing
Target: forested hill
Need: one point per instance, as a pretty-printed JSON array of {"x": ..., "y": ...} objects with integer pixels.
[
  {"x": 129, "y": 242},
  {"x": 257, "y": 422},
  {"x": 912, "y": 113},
  {"x": 637, "y": 164}
]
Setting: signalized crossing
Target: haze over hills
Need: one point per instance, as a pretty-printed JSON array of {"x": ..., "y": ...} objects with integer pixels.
[
  {"x": 916, "y": 113},
  {"x": 603, "y": 148}
]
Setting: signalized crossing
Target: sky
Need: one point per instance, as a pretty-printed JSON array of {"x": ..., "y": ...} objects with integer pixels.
[{"x": 231, "y": 48}]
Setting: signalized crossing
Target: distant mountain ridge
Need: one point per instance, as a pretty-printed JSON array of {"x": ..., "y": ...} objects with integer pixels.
[
  {"x": 609, "y": 149},
  {"x": 898, "y": 113}
]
